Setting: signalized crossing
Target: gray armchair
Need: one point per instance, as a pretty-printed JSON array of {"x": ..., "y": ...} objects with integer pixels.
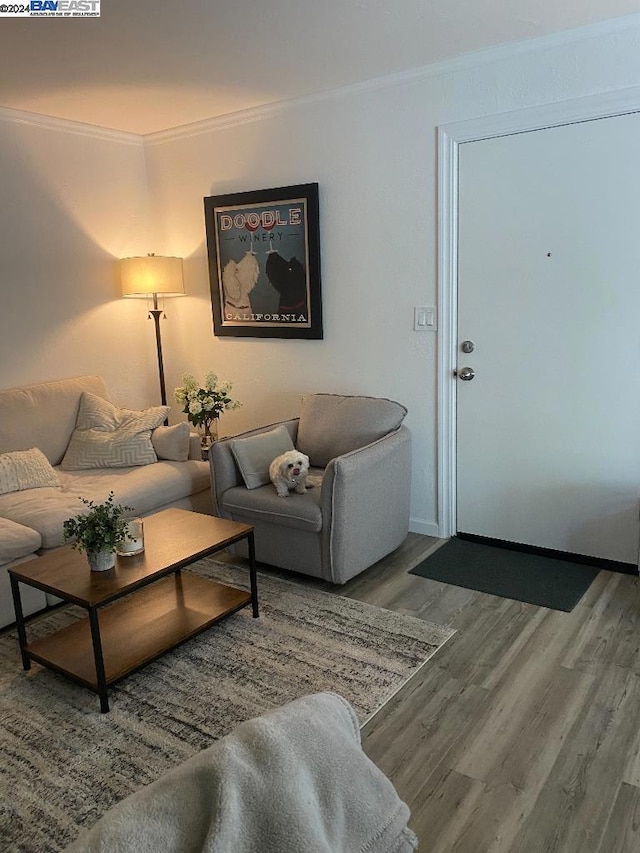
[{"x": 358, "y": 514}]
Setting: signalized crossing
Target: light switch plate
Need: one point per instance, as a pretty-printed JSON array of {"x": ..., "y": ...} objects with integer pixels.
[{"x": 425, "y": 319}]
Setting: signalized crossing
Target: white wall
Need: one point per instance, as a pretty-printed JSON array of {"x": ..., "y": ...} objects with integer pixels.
[
  {"x": 372, "y": 149},
  {"x": 75, "y": 199}
]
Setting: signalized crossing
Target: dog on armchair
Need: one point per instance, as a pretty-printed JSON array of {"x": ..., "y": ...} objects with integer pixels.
[{"x": 288, "y": 473}]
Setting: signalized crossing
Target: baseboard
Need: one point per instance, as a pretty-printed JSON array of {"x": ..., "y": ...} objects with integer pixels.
[
  {"x": 426, "y": 528},
  {"x": 599, "y": 562}
]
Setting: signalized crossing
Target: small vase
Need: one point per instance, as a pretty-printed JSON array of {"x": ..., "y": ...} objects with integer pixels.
[
  {"x": 209, "y": 434},
  {"x": 101, "y": 561}
]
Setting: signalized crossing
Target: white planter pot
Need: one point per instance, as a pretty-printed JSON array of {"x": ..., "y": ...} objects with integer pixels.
[{"x": 101, "y": 561}]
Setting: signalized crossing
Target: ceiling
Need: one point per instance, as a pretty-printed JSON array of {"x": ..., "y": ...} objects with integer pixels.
[{"x": 150, "y": 65}]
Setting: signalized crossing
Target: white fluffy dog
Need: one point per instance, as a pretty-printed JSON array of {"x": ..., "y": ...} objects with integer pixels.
[{"x": 288, "y": 472}]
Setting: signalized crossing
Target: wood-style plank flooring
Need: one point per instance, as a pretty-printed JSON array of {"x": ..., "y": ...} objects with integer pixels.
[{"x": 522, "y": 734}]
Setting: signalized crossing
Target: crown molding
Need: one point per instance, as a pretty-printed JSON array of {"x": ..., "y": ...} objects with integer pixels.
[
  {"x": 465, "y": 62},
  {"x": 62, "y": 125}
]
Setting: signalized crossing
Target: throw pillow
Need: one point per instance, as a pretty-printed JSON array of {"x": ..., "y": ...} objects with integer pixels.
[
  {"x": 25, "y": 469},
  {"x": 255, "y": 453},
  {"x": 331, "y": 424},
  {"x": 108, "y": 437},
  {"x": 172, "y": 442}
]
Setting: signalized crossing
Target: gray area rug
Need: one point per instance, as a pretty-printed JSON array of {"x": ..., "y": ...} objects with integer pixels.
[{"x": 63, "y": 763}]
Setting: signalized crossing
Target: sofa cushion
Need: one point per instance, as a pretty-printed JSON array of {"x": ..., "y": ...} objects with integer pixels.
[
  {"x": 44, "y": 415},
  {"x": 331, "y": 425},
  {"x": 32, "y": 599},
  {"x": 172, "y": 442},
  {"x": 263, "y": 504},
  {"x": 17, "y": 541},
  {"x": 25, "y": 469},
  {"x": 143, "y": 488},
  {"x": 255, "y": 453},
  {"x": 108, "y": 437}
]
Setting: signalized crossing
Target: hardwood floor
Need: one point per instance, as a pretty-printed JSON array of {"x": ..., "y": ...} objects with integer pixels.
[{"x": 522, "y": 734}]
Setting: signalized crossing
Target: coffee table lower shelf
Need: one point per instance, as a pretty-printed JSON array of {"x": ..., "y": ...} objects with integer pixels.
[{"x": 139, "y": 628}]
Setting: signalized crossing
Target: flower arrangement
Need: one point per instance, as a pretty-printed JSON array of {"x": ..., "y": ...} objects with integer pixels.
[
  {"x": 100, "y": 529},
  {"x": 203, "y": 406}
]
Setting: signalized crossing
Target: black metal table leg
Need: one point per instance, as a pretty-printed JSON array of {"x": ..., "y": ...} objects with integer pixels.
[
  {"x": 253, "y": 575},
  {"x": 22, "y": 634},
  {"x": 97, "y": 654}
]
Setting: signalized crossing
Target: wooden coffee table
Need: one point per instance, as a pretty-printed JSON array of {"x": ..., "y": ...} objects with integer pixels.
[{"x": 140, "y": 609}]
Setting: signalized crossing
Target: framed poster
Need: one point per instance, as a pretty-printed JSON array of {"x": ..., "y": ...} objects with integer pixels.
[{"x": 264, "y": 262}]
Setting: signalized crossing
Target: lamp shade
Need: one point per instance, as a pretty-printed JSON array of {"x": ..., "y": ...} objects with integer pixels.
[{"x": 151, "y": 274}]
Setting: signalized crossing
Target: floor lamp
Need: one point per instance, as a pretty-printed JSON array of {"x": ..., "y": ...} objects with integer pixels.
[{"x": 153, "y": 276}]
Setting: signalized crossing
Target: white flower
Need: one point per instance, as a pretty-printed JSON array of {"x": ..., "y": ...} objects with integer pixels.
[
  {"x": 206, "y": 403},
  {"x": 189, "y": 382}
]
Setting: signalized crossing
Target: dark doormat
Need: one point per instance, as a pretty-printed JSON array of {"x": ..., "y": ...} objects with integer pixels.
[{"x": 545, "y": 581}]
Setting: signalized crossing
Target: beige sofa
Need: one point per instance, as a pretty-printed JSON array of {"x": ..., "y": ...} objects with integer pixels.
[{"x": 44, "y": 416}]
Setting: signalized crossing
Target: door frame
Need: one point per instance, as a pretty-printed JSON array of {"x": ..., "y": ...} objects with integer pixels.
[{"x": 450, "y": 137}]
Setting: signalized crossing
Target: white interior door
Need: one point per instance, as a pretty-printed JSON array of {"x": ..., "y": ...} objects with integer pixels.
[{"x": 548, "y": 430}]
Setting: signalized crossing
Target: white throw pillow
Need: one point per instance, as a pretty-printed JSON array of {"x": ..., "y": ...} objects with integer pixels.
[
  {"x": 255, "y": 453},
  {"x": 172, "y": 442},
  {"x": 108, "y": 437},
  {"x": 25, "y": 469}
]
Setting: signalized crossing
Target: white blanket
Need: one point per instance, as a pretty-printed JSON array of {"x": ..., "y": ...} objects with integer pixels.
[{"x": 292, "y": 781}]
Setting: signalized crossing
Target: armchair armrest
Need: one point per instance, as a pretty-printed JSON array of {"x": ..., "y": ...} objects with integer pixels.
[
  {"x": 225, "y": 473},
  {"x": 365, "y": 504}
]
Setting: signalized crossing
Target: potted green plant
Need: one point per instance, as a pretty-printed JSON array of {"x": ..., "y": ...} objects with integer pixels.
[{"x": 98, "y": 531}]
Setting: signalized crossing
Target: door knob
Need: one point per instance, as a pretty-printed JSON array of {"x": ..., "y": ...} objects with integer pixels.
[{"x": 466, "y": 374}]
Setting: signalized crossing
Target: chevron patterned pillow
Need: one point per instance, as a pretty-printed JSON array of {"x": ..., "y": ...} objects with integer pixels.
[{"x": 108, "y": 437}]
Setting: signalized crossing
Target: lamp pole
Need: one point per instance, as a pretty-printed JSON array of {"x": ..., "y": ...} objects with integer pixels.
[{"x": 155, "y": 314}]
